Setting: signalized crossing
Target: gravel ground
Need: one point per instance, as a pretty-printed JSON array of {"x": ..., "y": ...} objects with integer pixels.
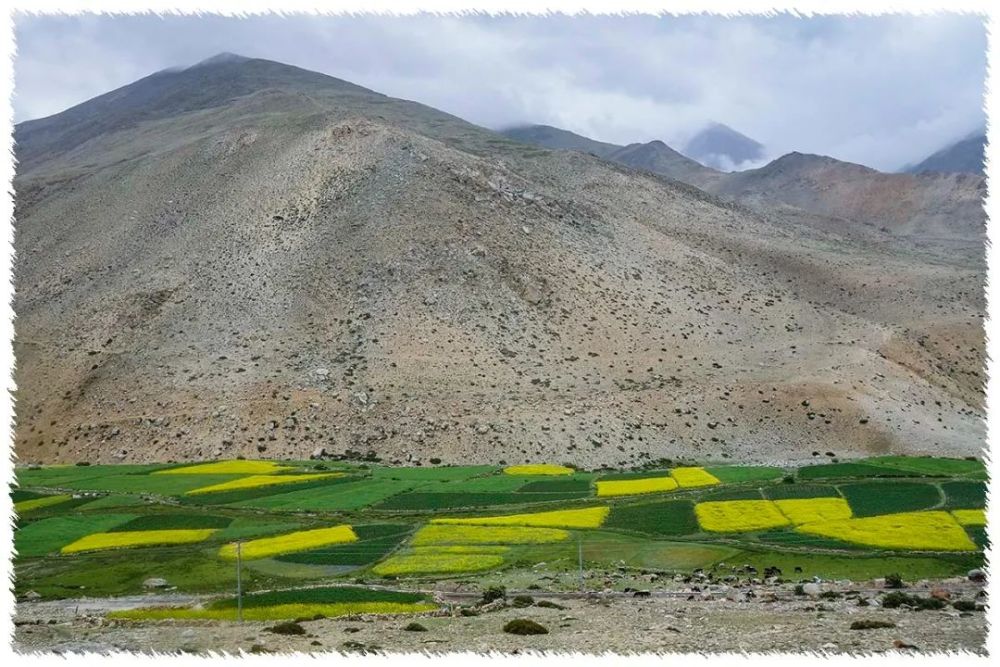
[{"x": 775, "y": 620}]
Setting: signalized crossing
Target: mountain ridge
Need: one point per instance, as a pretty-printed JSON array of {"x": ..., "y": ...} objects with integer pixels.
[{"x": 309, "y": 268}]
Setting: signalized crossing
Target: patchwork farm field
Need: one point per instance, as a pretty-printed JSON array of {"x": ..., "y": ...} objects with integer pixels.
[{"x": 333, "y": 538}]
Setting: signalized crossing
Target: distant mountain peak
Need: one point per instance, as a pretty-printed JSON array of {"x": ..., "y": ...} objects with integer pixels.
[
  {"x": 721, "y": 147},
  {"x": 967, "y": 155}
]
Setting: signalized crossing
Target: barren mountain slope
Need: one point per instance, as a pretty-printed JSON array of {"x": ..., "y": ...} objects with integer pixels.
[
  {"x": 304, "y": 267},
  {"x": 931, "y": 205}
]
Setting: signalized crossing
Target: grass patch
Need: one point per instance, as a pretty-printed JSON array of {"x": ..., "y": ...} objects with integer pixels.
[
  {"x": 427, "y": 474},
  {"x": 637, "y": 474},
  {"x": 303, "y": 540},
  {"x": 324, "y": 595},
  {"x": 374, "y": 542},
  {"x": 848, "y": 471},
  {"x": 173, "y": 522},
  {"x": 257, "y": 481},
  {"x": 875, "y": 498},
  {"x": 737, "y": 474},
  {"x": 441, "y": 560},
  {"x": 136, "y": 538},
  {"x": 791, "y": 538},
  {"x": 255, "y": 496},
  {"x": 334, "y": 495},
  {"x": 669, "y": 518},
  {"x": 440, "y": 534},
  {"x": 932, "y": 466},
  {"x": 454, "y": 501},
  {"x": 789, "y": 491},
  {"x": 237, "y": 467},
  {"x": 852, "y": 566},
  {"x": 38, "y": 538},
  {"x": 41, "y": 502},
  {"x": 732, "y": 494},
  {"x": 964, "y": 494},
  {"x": 578, "y": 485},
  {"x": 589, "y": 517}
]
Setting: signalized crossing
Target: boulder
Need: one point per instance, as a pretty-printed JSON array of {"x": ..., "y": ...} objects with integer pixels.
[
  {"x": 812, "y": 589},
  {"x": 155, "y": 582}
]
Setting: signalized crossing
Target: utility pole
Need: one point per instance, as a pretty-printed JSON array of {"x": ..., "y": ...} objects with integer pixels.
[
  {"x": 239, "y": 581},
  {"x": 579, "y": 552}
]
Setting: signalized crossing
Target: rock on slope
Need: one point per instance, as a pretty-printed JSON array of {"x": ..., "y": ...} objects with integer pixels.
[{"x": 283, "y": 262}]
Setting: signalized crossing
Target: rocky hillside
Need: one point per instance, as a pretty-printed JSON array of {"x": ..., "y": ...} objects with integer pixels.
[{"x": 244, "y": 258}]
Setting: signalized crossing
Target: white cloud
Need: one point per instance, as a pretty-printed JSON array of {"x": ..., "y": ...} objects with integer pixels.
[{"x": 880, "y": 91}]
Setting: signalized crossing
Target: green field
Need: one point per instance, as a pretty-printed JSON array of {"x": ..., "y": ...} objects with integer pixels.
[{"x": 386, "y": 506}]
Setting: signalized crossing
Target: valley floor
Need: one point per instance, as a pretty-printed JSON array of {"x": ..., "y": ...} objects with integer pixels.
[{"x": 775, "y": 620}]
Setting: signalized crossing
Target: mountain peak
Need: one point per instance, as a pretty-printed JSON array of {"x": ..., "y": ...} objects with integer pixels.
[
  {"x": 223, "y": 58},
  {"x": 721, "y": 147}
]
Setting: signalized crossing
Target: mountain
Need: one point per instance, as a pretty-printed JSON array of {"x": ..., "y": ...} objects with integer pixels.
[
  {"x": 556, "y": 139},
  {"x": 829, "y": 192},
  {"x": 721, "y": 147},
  {"x": 965, "y": 156},
  {"x": 243, "y": 258},
  {"x": 654, "y": 156},
  {"x": 659, "y": 158},
  {"x": 942, "y": 206}
]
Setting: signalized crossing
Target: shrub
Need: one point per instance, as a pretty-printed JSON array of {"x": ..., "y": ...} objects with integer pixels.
[
  {"x": 830, "y": 595},
  {"x": 523, "y": 601},
  {"x": 799, "y": 589},
  {"x": 893, "y": 580},
  {"x": 415, "y": 627},
  {"x": 871, "y": 625},
  {"x": 524, "y": 626},
  {"x": 788, "y": 479},
  {"x": 964, "y": 605},
  {"x": 290, "y": 628},
  {"x": 494, "y": 593},
  {"x": 548, "y": 604},
  {"x": 467, "y": 611},
  {"x": 899, "y": 599}
]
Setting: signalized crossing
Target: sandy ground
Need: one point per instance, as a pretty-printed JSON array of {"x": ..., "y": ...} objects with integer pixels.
[{"x": 775, "y": 620}]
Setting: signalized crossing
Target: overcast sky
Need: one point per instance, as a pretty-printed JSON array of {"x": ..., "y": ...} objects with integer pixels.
[{"x": 879, "y": 91}]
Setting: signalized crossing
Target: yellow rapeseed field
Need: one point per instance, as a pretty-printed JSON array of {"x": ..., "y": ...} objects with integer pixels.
[
  {"x": 693, "y": 477},
  {"x": 452, "y": 534},
  {"x": 807, "y": 510},
  {"x": 276, "y": 612},
  {"x": 590, "y": 517},
  {"x": 630, "y": 487},
  {"x": 735, "y": 516},
  {"x": 538, "y": 469},
  {"x": 38, "y": 503},
  {"x": 927, "y": 531},
  {"x": 237, "y": 467},
  {"x": 302, "y": 540},
  {"x": 261, "y": 480},
  {"x": 137, "y": 538},
  {"x": 441, "y": 560},
  {"x": 970, "y": 517}
]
